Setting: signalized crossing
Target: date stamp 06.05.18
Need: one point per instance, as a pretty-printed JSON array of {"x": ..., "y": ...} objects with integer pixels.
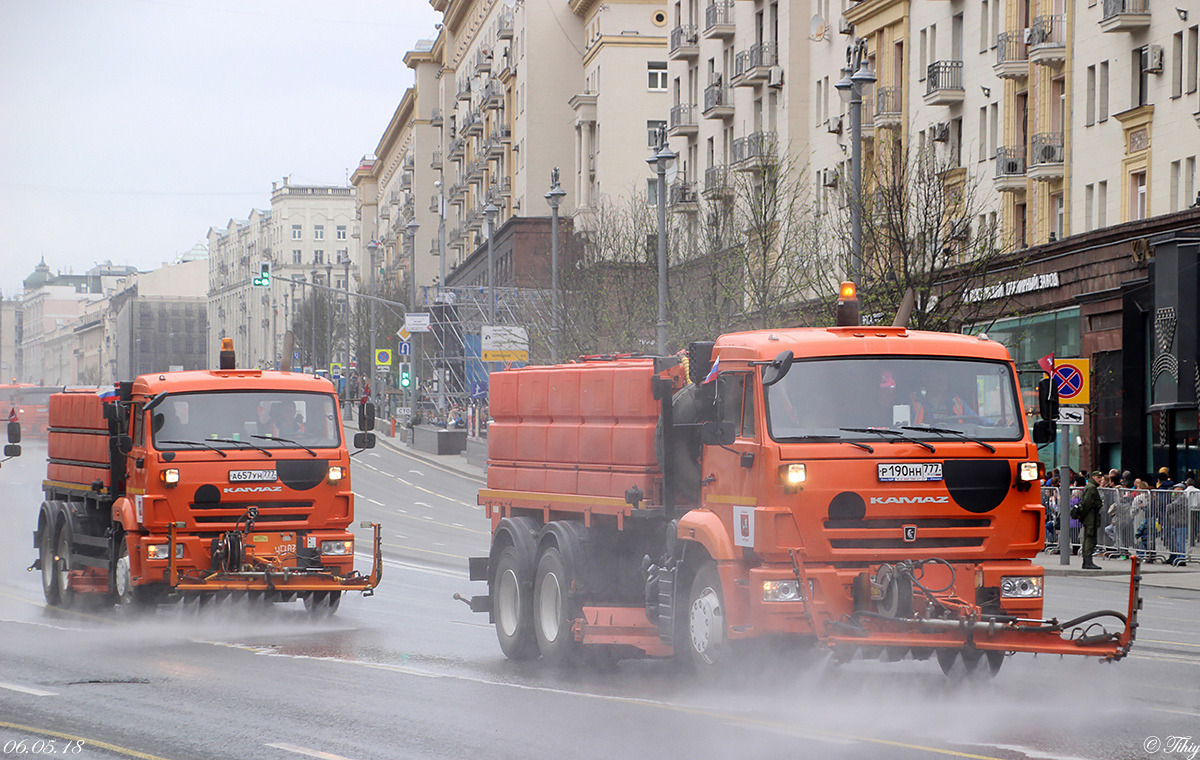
[{"x": 44, "y": 747}]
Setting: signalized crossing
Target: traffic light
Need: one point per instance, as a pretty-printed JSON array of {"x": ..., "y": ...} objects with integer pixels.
[
  {"x": 405, "y": 375},
  {"x": 264, "y": 277}
]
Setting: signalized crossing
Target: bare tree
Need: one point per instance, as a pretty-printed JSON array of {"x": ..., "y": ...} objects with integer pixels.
[{"x": 927, "y": 228}]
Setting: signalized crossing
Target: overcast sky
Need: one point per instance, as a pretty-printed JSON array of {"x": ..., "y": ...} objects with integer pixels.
[{"x": 129, "y": 127}]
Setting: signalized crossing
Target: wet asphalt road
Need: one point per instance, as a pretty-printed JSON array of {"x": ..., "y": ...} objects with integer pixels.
[{"x": 412, "y": 673}]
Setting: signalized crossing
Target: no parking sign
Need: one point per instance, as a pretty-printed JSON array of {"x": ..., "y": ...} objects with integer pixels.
[{"x": 1072, "y": 377}]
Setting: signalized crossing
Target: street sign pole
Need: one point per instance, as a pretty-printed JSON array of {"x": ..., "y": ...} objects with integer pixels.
[{"x": 1064, "y": 499}]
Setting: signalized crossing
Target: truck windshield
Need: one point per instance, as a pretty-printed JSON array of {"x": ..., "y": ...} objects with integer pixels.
[
  {"x": 921, "y": 397},
  {"x": 225, "y": 419}
]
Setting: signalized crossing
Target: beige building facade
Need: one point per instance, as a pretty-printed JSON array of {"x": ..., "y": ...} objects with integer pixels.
[{"x": 306, "y": 236}]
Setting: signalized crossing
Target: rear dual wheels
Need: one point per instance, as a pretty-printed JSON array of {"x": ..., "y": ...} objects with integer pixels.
[
  {"x": 63, "y": 565},
  {"x": 512, "y": 607},
  {"x": 47, "y": 542},
  {"x": 554, "y": 612}
]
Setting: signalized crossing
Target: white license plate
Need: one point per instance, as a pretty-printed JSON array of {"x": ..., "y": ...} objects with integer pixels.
[
  {"x": 910, "y": 471},
  {"x": 252, "y": 476}
]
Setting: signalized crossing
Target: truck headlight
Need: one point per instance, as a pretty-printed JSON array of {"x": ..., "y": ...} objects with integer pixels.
[
  {"x": 335, "y": 474},
  {"x": 170, "y": 476},
  {"x": 341, "y": 548},
  {"x": 1020, "y": 587},
  {"x": 161, "y": 551},
  {"x": 781, "y": 591},
  {"x": 1029, "y": 471},
  {"x": 792, "y": 474}
]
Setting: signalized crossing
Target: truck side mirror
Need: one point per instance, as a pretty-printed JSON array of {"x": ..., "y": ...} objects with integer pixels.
[
  {"x": 110, "y": 411},
  {"x": 366, "y": 416},
  {"x": 1044, "y": 431},
  {"x": 777, "y": 368},
  {"x": 12, "y": 450},
  {"x": 720, "y": 433},
  {"x": 14, "y": 432},
  {"x": 364, "y": 440},
  {"x": 1047, "y": 399},
  {"x": 124, "y": 444}
]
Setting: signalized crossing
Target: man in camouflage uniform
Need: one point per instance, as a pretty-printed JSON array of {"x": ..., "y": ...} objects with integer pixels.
[{"x": 1089, "y": 508}]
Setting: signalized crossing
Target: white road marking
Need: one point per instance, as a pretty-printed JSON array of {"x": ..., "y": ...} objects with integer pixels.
[
  {"x": 27, "y": 690},
  {"x": 416, "y": 472},
  {"x": 373, "y": 454},
  {"x": 422, "y": 504},
  {"x": 305, "y": 751},
  {"x": 376, "y": 503}
]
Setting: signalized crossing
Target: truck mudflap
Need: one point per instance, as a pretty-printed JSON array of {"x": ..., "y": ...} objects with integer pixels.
[
  {"x": 270, "y": 574},
  {"x": 976, "y": 630}
]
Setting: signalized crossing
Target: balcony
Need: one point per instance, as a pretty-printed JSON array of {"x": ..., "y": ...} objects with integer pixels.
[
  {"x": 505, "y": 69},
  {"x": 406, "y": 181},
  {"x": 1125, "y": 15},
  {"x": 718, "y": 102},
  {"x": 889, "y": 107},
  {"x": 435, "y": 161},
  {"x": 754, "y": 150},
  {"x": 943, "y": 83},
  {"x": 483, "y": 60},
  {"x": 683, "y": 120},
  {"x": 500, "y": 189},
  {"x": 1012, "y": 55},
  {"x": 718, "y": 20},
  {"x": 716, "y": 182},
  {"x": 685, "y": 43},
  {"x": 473, "y": 172},
  {"x": 433, "y": 203},
  {"x": 464, "y": 89},
  {"x": 753, "y": 65},
  {"x": 1046, "y": 157},
  {"x": 457, "y": 146},
  {"x": 867, "y": 124},
  {"x": 435, "y": 118},
  {"x": 409, "y": 162},
  {"x": 681, "y": 196},
  {"x": 1048, "y": 40},
  {"x": 473, "y": 123},
  {"x": 493, "y": 95},
  {"x": 504, "y": 26}
]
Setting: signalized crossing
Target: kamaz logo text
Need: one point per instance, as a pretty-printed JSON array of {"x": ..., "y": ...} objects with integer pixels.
[
  {"x": 910, "y": 499},
  {"x": 253, "y": 489}
]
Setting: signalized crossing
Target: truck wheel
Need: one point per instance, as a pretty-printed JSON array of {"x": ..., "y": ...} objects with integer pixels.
[
  {"x": 62, "y": 565},
  {"x": 553, "y": 612},
  {"x": 512, "y": 608},
  {"x": 708, "y": 633},
  {"x": 49, "y": 567}
]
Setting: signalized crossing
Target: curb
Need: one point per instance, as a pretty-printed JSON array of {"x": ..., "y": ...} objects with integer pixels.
[{"x": 475, "y": 476}]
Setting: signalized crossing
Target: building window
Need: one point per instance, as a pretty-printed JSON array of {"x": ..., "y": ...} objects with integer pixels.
[
  {"x": 1090, "y": 118},
  {"x": 341, "y": 283},
  {"x": 319, "y": 232},
  {"x": 296, "y": 232},
  {"x": 341, "y": 232},
  {"x": 318, "y": 257},
  {"x": 1089, "y": 200},
  {"x": 343, "y": 254},
  {"x": 296, "y": 254},
  {"x": 652, "y": 129},
  {"x": 652, "y": 191},
  {"x": 656, "y": 76},
  {"x": 1056, "y": 215},
  {"x": 1140, "y": 80},
  {"x": 1193, "y": 58},
  {"x": 984, "y": 37},
  {"x": 1101, "y": 204},
  {"x": 1138, "y": 202}
]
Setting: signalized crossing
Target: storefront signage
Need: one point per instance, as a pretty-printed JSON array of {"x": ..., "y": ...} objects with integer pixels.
[{"x": 1013, "y": 287}]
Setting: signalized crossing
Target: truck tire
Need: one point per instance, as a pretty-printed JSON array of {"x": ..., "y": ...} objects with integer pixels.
[
  {"x": 553, "y": 611},
  {"x": 513, "y": 608},
  {"x": 127, "y": 595},
  {"x": 62, "y": 564},
  {"x": 707, "y": 629},
  {"x": 46, "y": 546}
]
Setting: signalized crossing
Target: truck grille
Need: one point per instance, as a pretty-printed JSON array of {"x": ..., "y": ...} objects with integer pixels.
[
  {"x": 932, "y": 533},
  {"x": 282, "y": 514}
]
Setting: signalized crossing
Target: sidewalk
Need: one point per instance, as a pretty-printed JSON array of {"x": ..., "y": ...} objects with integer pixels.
[
  {"x": 1154, "y": 574},
  {"x": 456, "y": 462}
]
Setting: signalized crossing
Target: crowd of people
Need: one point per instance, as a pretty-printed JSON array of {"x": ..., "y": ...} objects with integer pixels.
[{"x": 1134, "y": 514}]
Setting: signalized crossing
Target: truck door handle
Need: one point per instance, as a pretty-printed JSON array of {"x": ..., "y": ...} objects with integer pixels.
[{"x": 708, "y": 479}]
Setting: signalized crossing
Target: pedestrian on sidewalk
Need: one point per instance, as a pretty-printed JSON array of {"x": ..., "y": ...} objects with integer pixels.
[
  {"x": 1177, "y": 526},
  {"x": 1090, "y": 504}
]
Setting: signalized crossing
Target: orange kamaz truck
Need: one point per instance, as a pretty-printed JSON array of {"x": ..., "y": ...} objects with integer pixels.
[
  {"x": 198, "y": 484},
  {"x": 871, "y": 489}
]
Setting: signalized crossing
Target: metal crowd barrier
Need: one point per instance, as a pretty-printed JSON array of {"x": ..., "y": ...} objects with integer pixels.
[{"x": 1157, "y": 525}]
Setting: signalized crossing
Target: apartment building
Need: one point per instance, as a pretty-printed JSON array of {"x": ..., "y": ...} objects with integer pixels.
[{"x": 307, "y": 237}]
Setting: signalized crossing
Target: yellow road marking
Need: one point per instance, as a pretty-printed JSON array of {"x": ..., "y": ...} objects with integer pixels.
[
  {"x": 1173, "y": 643},
  {"x": 306, "y": 751},
  {"x": 87, "y": 742}
]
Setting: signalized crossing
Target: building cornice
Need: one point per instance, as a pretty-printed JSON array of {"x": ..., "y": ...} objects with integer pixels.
[
  {"x": 870, "y": 16},
  {"x": 622, "y": 40}
]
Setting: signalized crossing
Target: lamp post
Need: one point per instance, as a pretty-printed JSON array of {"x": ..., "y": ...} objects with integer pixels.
[
  {"x": 329, "y": 315},
  {"x": 439, "y": 364},
  {"x": 411, "y": 228},
  {"x": 554, "y": 197},
  {"x": 312, "y": 324},
  {"x": 857, "y": 80},
  {"x": 490, "y": 212},
  {"x": 661, "y": 159},
  {"x": 372, "y": 249},
  {"x": 346, "y": 263}
]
